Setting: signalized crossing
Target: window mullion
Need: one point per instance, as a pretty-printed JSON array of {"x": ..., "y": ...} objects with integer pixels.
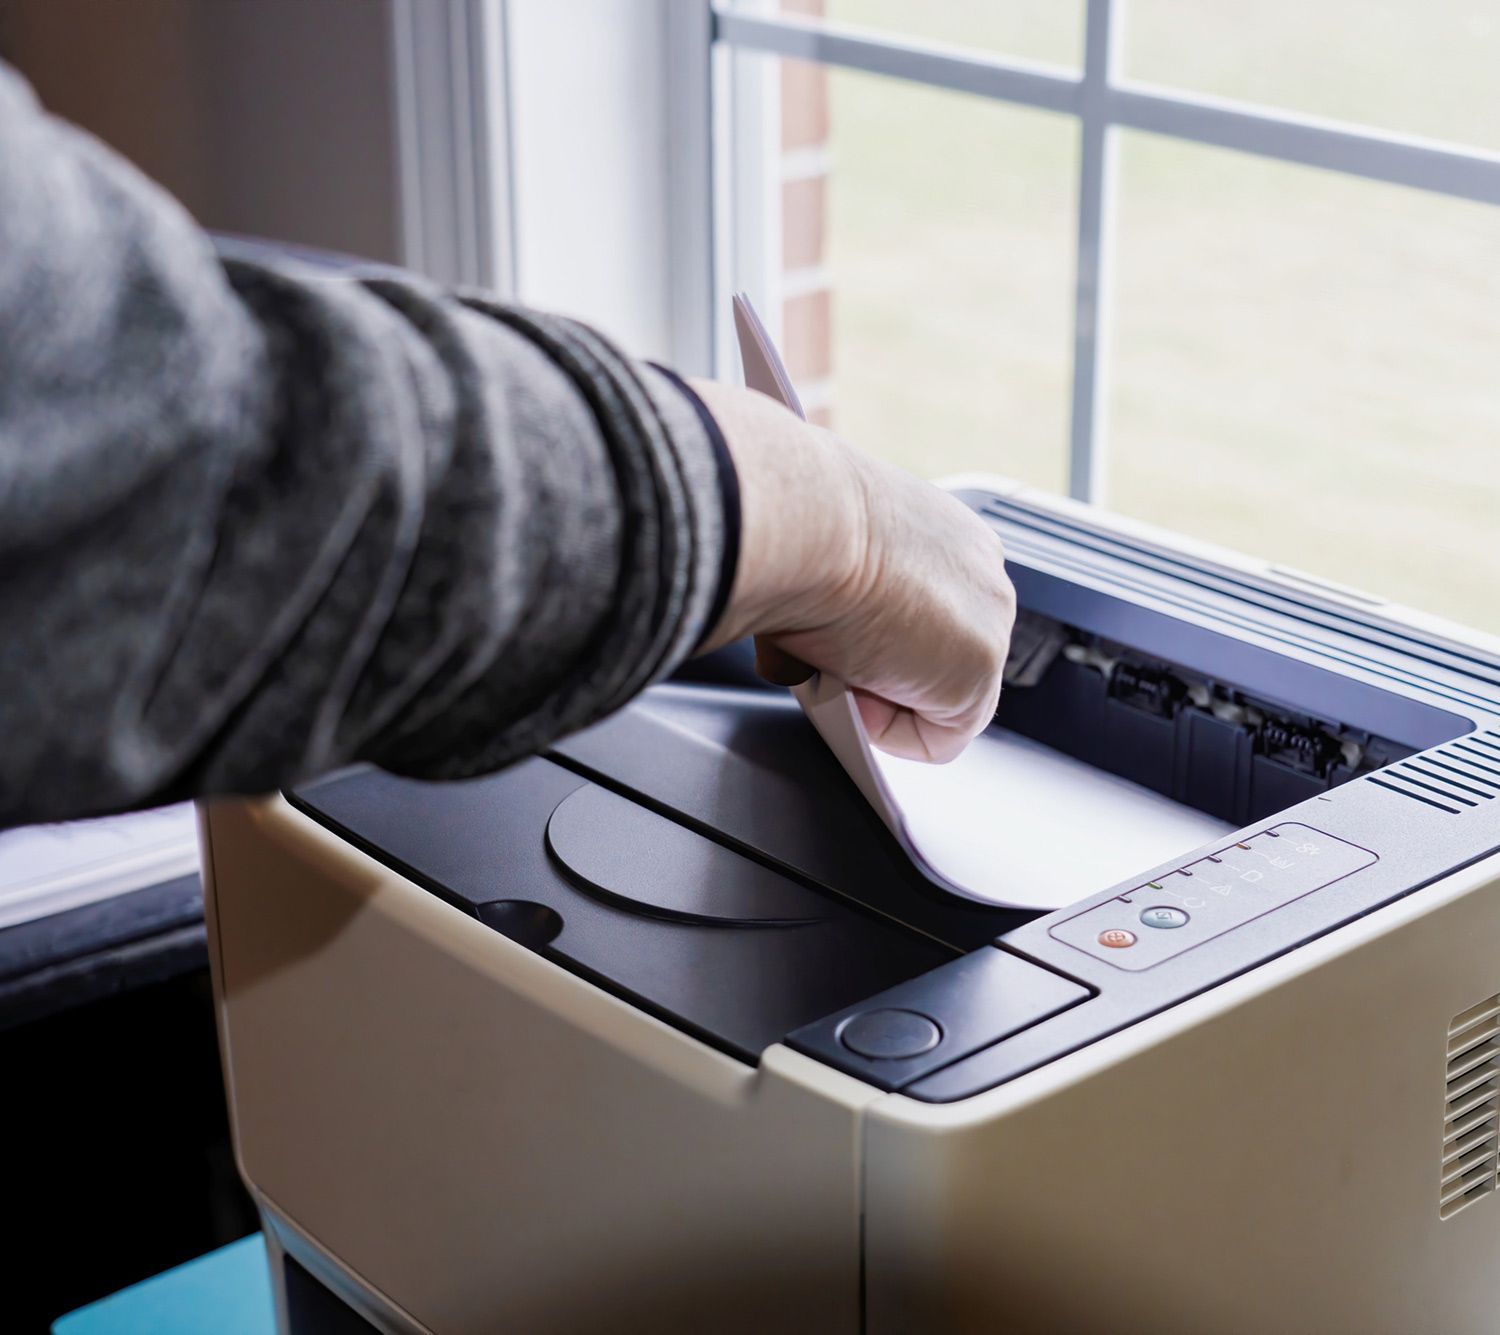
[{"x": 1096, "y": 173}]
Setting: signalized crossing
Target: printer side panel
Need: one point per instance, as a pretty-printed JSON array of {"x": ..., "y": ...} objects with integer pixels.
[
  {"x": 1270, "y": 1156},
  {"x": 484, "y": 1141}
]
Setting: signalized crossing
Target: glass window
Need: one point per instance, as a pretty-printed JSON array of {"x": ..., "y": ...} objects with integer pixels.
[
  {"x": 925, "y": 271},
  {"x": 1299, "y": 360},
  {"x": 1426, "y": 68},
  {"x": 1048, "y": 31},
  {"x": 1303, "y": 368}
]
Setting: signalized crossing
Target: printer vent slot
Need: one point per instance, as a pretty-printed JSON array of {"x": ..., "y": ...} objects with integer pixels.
[
  {"x": 1455, "y": 778},
  {"x": 1471, "y": 1109},
  {"x": 1456, "y": 766},
  {"x": 1471, "y": 753},
  {"x": 1400, "y": 790}
]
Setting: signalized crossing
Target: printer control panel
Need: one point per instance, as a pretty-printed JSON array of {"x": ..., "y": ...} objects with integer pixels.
[{"x": 1183, "y": 908}]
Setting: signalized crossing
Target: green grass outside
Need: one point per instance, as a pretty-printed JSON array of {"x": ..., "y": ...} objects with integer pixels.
[{"x": 1304, "y": 366}]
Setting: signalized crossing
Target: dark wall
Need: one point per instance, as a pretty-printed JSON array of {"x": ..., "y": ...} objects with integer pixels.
[
  {"x": 114, "y": 1149},
  {"x": 268, "y": 117}
]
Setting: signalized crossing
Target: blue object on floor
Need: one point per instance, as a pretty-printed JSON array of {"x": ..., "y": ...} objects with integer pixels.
[{"x": 227, "y": 1292}]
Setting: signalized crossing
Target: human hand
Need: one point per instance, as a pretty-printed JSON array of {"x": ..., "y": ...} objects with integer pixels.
[{"x": 856, "y": 568}]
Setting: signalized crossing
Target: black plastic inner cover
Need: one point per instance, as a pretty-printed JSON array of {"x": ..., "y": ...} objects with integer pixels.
[{"x": 737, "y": 952}]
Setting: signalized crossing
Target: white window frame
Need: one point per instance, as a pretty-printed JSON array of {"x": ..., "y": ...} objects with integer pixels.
[
  {"x": 450, "y": 88},
  {"x": 1104, "y": 103}
]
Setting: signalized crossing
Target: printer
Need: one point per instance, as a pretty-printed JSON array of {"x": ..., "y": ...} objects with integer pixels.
[{"x": 662, "y": 1031}]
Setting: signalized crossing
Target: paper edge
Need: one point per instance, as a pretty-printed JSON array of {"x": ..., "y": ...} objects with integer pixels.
[{"x": 827, "y": 702}]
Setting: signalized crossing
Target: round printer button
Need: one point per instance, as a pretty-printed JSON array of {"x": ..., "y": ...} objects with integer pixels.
[
  {"x": 888, "y": 1035},
  {"x": 1116, "y": 938},
  {"x": 1163, "y": 916}
]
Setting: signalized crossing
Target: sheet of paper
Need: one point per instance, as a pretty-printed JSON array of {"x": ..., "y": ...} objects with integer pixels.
[
  {"x": 826, "y": 701},
  {"x": 1014, "y": 822},
  {"x": 47, "y": 869},
  {"x": 1009, "y": 822}
]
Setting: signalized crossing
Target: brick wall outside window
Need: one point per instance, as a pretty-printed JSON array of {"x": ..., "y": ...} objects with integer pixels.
[{"x": 807, "y": 310}]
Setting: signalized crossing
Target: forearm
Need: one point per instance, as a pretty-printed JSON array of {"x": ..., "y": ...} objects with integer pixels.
[
  {"x": 256, "y": 524},
  {"x": 607, "y": 543}
]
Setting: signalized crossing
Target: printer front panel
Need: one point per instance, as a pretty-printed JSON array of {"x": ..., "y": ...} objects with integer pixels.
[
  {"x": 1309, "y": 1149},
  {"x": 486, "y": 1141},
  {"x": 466, "y": 1127},
  {"x": 1273, "y": 890}
]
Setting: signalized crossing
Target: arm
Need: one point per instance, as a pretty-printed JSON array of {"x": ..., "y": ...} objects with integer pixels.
[{"x": 255, "y": 524}]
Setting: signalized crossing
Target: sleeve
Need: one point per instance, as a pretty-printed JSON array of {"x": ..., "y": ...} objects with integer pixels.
[{"x": 257, "y": 522}]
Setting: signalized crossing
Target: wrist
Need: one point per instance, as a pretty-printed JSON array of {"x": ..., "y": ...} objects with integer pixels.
[{"x": 803, "y": 516}]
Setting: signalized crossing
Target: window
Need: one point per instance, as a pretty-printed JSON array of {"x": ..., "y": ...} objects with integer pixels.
[{"x": 987, "y": 242}]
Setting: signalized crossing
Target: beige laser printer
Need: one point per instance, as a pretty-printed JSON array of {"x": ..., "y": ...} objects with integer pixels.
[{"x": 661, "y": 1031}]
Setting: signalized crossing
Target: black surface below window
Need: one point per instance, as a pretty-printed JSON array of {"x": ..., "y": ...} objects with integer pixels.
[{"x": 116, "y": 1155}]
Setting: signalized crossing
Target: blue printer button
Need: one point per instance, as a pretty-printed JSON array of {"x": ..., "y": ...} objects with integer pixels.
[
  {"x": 1163, "y": 916},
  {"x": 890, "y": 1034}
]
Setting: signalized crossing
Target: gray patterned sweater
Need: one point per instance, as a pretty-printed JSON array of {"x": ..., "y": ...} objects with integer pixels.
[{"x": 258, "y": 521}]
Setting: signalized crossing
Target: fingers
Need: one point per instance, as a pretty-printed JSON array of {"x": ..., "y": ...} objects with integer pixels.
[
  {"x": 900, "y": 732},
  {"x": 867, "y": 573}
]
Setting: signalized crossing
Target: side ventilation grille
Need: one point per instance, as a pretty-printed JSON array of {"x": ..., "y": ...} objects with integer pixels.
[
  {"x": 1455, "y": 778},
  {"x": 1471, "y": 1116}
]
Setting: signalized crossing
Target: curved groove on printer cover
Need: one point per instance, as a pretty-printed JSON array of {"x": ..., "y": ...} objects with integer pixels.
[
  {"x": 644, "y": 863},
  {"x": 694, "y": 753}
]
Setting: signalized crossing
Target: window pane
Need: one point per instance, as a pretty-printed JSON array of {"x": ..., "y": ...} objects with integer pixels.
[
  {"x": 1304, "y": 369},
  {"x": 1050, "y": 31},
  {"x": 1423, "y": 67},
  {"x": 923, "y": 267}
]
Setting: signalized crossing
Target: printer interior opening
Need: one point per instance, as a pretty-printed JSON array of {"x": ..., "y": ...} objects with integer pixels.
[
  {"x": 1209, "y": 744},
  {"x": 1106, "y": 761}
]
